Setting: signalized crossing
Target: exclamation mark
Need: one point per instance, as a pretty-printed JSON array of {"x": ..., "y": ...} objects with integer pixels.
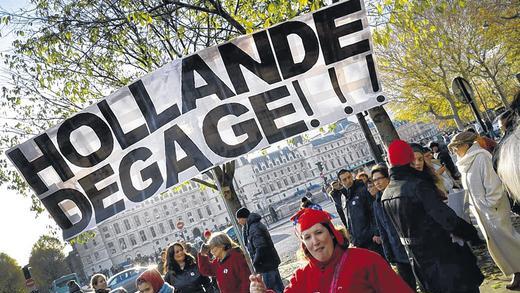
[
  {"x": 305, "y": 103},
  {"x": 372, "y": 72},
  {"x": 335, "y": 85}
]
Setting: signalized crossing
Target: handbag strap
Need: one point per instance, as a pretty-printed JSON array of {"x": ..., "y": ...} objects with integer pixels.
[{"x": 337, "y": 270}]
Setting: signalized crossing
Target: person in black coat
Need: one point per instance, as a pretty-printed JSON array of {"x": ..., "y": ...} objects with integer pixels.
[
  {"x": 433, "y": 235},
  {"x": 443, "y": 155},
  {"x": 392, "y": 246},
  {"x": 361, "y": 224},
  {"x": 261, "y": 248},
  {"x": 336, "y": 193},
  {"x": 181, "y": 271}
]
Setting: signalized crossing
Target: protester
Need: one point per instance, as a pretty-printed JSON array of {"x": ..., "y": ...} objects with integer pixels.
[
  {"x": 229, "y": 266},
  {"x": 307, "y": 203},
  {"x": 331, "y": 265},
  {"x": 392, "y": 247},
  {"x": 261, "y": 248},
  {"x": 488, "y": 204},
  {"x": 151, "y": 281},
  {"x": 443, "y": 155},
  {"x": 431, "y": 232},
  {"x": 420, "y": 165},
  {"x": 507, "y": 152},
  {"x": 181, "y": 271},
  {"x": 363, "y": 177},
  {"x": 99, "y": 283},
  {"x": 361, "y": 224},
  {"x": 74, "y": 287},
  {"x": 337, "y": 192},
  {"x": 483, "y": 141}
]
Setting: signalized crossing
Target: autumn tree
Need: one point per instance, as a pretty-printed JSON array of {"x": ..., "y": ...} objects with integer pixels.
[
  {"x": 47, "y": 261},
  {"x": 11, "y": 280},
  {"x": 423, "y": 47}
]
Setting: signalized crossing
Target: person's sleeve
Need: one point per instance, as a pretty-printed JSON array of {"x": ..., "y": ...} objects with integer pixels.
[
  {"x": 260, "y": 243},
  {"x": 296, "y": 283},
  {"x": 242, "y": 273},
  {"x": 491, "y": 184},
  {"x": 368, "y": 201},
  {"x": 206, "y": 283},
  {"x": 206, "y": 267},
  {"x": 383, "y": 278},
  {"x": 387, "y": 249},
  {"x": 444, "y": 215},
  {"x": 445, "y": 158}
]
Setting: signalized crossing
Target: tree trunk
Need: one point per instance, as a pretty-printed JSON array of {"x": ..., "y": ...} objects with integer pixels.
[
  {"x": 456, "y": 117},
  {"x": 384, "y": 125},
  {"x": 223, "y": 176}
]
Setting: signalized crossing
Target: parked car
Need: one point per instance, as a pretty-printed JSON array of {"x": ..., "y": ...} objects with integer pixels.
[
  {"x": 126, "y": 279},
  {"x": 60, "y": 285},
  {"x": 230, "y": 231}
]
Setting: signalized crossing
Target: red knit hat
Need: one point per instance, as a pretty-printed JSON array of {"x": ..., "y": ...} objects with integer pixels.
[
  {"x": 400, "y": 153},
  {"x": 207, "y": 234},
  {"x": 153, "y": 277},
  {"x": 308, "y": 217}
]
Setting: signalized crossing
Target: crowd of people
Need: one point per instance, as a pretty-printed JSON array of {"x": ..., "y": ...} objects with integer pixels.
[{"x": 413, "y": 213}]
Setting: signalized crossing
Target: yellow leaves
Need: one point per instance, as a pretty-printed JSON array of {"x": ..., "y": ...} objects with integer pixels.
[
  {"x": 440, "y": 44},
  {"x": 68, "y": 36},
  {"x": 379, "y": 8},
  {"x": 303, "y": 3},
  {"x": 433, "y": 29},
  {"x": 271, "y": 8}
]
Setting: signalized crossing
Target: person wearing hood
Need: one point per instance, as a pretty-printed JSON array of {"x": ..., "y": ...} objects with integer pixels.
[
  {"x": 361, "y": 223},
  {"x": 151, "y": 281},
  {"x": 434, "y": 237},
  {"x": 488, "y": 204},
  {"x": 261, "y": 248},
  {"x": 331, "y": 265}
]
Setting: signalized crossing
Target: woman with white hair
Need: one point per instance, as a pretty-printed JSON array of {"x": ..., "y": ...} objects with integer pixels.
[{"x": 489, "y": 204}]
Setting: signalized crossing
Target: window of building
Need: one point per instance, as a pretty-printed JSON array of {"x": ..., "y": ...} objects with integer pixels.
[
  {"x": 161, "y": 228},
  {"x": 292, "y": 179},
  {"x": 137, "y": 221},
  {"x": 189, "y": 214},
  {"x": 122, "y": 243},
  {"x": 279, "y": 184},
  {"x": 110, "y": 246},
  {"x": 299, "y": 176},
  {"x": 127, "y": 224},
  {"x": 156, "y": 213},
  {"x": 133, "y": 242},
  {"x": 271, "y": 187},
  {"x": 285, "y": 181},
  {"x": 85, "y": 246},
  {"x": 191, "y": 220},
  {"x": 147, "y": 217},
  {"x": 152, "y": 231},
  {"x": 208, "y": 210},
  {"x": 116, "y": 228},
  {"x": 104, "y": 229},
  {"x": 94, "y": 242},
  {"x": 96, "y": 255},
  {"x": 170, "y": 223},
  {"x": 107, "y": 235},
  {"x": 142, "y": 235},
  {"x": 219, "y": 207},
  {"x": 89, "y": 259},
  {"x": 199, "y": 212}
]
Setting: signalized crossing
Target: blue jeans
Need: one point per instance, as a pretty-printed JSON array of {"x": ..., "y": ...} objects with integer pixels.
[{"x": 273, "y": 281}]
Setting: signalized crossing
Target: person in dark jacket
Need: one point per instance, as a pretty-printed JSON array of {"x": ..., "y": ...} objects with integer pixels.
[
  {"x": 392, "y": 247},
  {"x": 433, "y": 236},
  {"x": 443, "y": 155},
  {"x": 361, "y": 224},
  {"x": 261, "y": 248},
  {"x": 337, "y": 192},
  {"x": 181, "y": 271}
]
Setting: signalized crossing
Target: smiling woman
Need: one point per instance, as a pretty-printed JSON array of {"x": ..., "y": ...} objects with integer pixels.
[{"x": 332, "y": 266}]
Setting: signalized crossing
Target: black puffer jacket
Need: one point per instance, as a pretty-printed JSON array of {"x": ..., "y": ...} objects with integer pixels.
[
  {"x": 260, "y": 245},
  {"x": 361, "y": 223},
  {"x": 424, "y": 224},
  {"x": 188, "y": 280}
]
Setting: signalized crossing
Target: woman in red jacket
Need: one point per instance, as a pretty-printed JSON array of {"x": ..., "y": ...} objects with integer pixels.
[
  {"x": 229, "y": 266},
  {"x": 332, "y": 266}
]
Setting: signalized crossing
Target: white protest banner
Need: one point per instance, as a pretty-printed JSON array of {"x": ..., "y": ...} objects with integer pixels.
[{"x": 201, "y": 111}]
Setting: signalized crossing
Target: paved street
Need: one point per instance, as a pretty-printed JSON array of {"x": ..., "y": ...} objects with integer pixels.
[{"x": 287, "y": 244}]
